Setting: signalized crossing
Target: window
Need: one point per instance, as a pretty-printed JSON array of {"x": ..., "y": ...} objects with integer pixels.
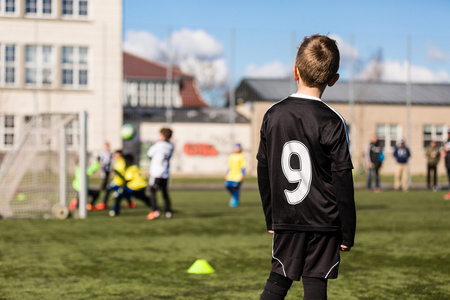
[
  {"x": 39, "y": 8},
  {"x": 159, "y": 94},
  {"x": 148, "y": 94},
  {"x": 47, "y": 7},
  {"x": 67, "y": 7},
  {"x": 72, "y": 134},
  {"x": 7, "y": 131},
  {"x": 39, "y": 66},
  {"x": 83, "y": 8},
  {"x": 433, "y": 133},
  {"x": 75, "y": 61},
  {"x": 75, "y": 8},
  {"x": 9, "y": 7},
  {"x": 8, "y": 61},
  {"x": 388, "y": 136},
  {"x": 171, "y": 92},
  {"x": 151, "y": 94},
  {"x": 31, "y": 6},
  {"x": 132, "y": 94}
]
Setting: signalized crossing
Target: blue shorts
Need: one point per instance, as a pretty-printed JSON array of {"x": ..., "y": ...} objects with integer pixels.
[{"x": 232, "y": 184}]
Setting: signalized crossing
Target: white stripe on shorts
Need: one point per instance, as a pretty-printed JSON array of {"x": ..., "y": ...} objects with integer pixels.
[
  {"x": 326, "y": 276},
  {"x": 282, "y": 266}
]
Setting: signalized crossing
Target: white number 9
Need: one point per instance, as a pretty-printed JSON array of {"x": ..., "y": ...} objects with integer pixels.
[{"x": 302, "y": 175}]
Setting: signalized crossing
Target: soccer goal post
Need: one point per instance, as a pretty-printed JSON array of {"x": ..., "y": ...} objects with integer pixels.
[{"x": 36, "y": 175}]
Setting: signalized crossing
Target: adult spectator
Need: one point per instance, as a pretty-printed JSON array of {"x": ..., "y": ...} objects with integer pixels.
[
  {"x": 433, "y": 155},
  {"x": 401, "y": 154},
  {"x": 374, "y": 160},
  {"x": 446, "y": 154}
]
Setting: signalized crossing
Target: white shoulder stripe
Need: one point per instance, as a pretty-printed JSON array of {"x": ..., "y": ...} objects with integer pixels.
[
  {"x": 277, "y": 102},
  {"x": 343, "y": 121}
]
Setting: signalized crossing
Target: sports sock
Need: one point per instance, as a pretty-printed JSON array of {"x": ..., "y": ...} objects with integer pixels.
[
  {"x": 314, "y": 288},
  {"x": 236, "y": 194},
  {"x": 276, "y": 287}
]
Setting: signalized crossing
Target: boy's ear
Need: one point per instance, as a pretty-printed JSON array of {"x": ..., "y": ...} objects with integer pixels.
[
  {"x": 333, "y": 80},
  {"x": 296, "y": 73}
]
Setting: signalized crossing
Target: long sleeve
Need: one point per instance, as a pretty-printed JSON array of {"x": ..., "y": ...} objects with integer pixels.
[
  {"x": 265, "y": 192},
  {"x": 344, "y": 192}
]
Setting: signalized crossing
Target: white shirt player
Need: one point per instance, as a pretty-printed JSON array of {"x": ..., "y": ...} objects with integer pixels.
[
  {"x": 160, "y": 153},
  {"x": 105, "y": 160}
]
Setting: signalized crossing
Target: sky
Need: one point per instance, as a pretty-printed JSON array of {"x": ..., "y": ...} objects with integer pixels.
[{"x": 222, "y": 42}]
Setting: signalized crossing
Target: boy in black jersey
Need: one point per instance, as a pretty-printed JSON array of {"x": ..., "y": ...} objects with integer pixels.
[{"x": 305, "y": 178}]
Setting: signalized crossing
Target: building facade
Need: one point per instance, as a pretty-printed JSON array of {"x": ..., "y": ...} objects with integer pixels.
[
  {"x": 376, "y": 109},
  {"x": 61, "y": 56},
  {"x": 150, "y": 84},
  {"x": 157, "y": 96}
]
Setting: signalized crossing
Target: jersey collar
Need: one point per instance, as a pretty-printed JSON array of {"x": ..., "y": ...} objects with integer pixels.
[{"x": 305, "y": 97}]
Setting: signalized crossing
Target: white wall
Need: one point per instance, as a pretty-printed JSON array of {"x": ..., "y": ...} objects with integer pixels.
[{"x": 217, "y": 135}]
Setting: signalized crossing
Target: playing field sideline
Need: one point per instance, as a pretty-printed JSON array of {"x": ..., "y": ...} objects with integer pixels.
[{"x": 401, "y": 252}]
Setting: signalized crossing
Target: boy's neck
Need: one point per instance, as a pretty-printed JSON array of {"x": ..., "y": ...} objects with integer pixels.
[{"x": 310, "y": 91}]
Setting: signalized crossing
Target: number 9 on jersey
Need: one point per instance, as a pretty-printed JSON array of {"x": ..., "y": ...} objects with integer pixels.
[{"x": 302, "y": 176}]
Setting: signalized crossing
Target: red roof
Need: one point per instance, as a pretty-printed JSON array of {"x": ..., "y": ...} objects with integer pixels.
[{"x": 138, "y": 68}]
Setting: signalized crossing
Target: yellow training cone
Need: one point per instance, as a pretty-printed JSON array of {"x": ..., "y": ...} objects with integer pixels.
[{"x": 200, "y": 266}]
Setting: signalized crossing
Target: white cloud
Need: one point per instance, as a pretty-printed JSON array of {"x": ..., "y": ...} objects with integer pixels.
[
  {"x": 195, "y": 43},
  {"x": 347, "y": 51},
  {"x": 395, "y": 71},
  {"x": 435, "y": 54},
  {"x": 145, "y": 44},
  {"x": 273, "y": 69},
  {"x": 195, "y": 51}
]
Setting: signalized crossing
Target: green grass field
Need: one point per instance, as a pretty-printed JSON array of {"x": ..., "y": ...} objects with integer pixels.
[{"x": 402, "y": 251}]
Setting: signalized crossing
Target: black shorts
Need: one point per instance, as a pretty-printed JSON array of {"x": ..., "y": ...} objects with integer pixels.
[{"x": 308, "y": 254}]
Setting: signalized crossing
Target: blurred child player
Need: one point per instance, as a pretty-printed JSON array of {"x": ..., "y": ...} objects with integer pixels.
[
  {"x": 305, "y": 178},
  {"x": 76, "y": 184},
  {"x": 160, "y": 154},
  {"x": 118, "y": 182},
  {"x": 106, "y": 157},
  {"x": 136, "y": 184},
  {"x": 235, "y": 174}
]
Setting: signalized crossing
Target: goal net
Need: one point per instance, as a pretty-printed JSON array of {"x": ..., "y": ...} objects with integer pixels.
[{"x": 36, "y": 175}]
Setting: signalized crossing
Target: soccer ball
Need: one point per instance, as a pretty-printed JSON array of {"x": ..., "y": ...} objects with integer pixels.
[{"x": 127, "y": 131}]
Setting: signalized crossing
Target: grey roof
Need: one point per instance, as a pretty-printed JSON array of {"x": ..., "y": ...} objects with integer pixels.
[
  {"x": 364, "y": 92},
  {"x": 181, "y": 115}
]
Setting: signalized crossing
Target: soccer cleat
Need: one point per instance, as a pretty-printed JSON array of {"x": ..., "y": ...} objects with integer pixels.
[
  {"x": 447, "y": 196},
  {"x": 90, "y": 207},
  {"x": 130, "y": 205},
  {"x": 168, "y": 215},
  {"x": 233, "y": 202},
  {"x": 100, "y": 206},
  {"x": 73, "y": 204},
  {"x": 153, "y": 215}
]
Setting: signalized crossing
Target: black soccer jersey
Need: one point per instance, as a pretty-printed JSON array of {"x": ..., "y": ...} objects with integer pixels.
[{"x": 303, "y": 141}]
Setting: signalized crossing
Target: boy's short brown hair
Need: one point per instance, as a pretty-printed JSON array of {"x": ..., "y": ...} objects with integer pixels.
[
  {"x": 317, "y": 60},
  {"x": 166, "y": 133}
]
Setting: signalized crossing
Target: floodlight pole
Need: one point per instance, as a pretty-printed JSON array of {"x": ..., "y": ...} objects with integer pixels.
[
  {"x": 232, "y": 97},
  {"x": 408, "y": 101},
  {"x": 351, "y": 97},
  {"x": 294, "y": 51},
  {"x": 169, "y": 79}
]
